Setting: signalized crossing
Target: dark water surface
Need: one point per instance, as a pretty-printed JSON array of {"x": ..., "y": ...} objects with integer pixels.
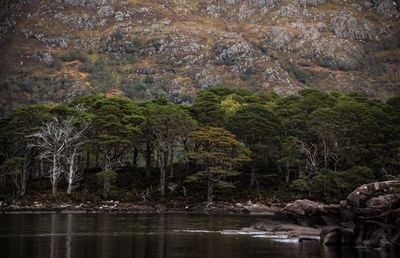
[{"x": 126, "y": 235}]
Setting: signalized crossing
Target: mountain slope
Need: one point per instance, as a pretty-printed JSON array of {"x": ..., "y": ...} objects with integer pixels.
[{"x": 55, "y": 50}]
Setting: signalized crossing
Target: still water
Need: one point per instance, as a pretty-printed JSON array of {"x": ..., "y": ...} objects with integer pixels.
[{"x": 126, "y": 235}]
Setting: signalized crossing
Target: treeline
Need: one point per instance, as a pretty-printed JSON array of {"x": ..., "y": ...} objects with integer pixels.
[{"x": 314, "y": 144}]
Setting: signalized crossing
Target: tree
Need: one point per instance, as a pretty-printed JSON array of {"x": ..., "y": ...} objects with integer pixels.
[
  {"x": 324, "y": 122},
  {"x": 51, "y": 141},
  {"x": 218, "y": 152},
  {"x": 13, "y": 168},
  {"x": 13, "y": 129},
  {"x": 117, "y": 124},
  {"x": 207, "y": 109},
  {"x": 106, "y": 177},
  {"x": 260, "y": 130},
  {"x": 363, "y": 128},
  {"x": 58, "y": 141},
  {"x": 294, "y": 110},
  {"x": 73, "y": 151},
  {"x": 168, "y": 124},
  {"x": 290, "y": 157}
]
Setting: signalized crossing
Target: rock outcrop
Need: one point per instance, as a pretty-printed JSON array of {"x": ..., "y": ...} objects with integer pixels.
[
  {"x": 309, "y": 213},
  {"x": 370, "y": 218},
  {"x": 257, "y": 208}
]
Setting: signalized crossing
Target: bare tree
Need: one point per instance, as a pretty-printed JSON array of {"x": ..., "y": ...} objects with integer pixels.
[
  {"x": 50, "y": 140},
  {"x": 73, "y": 173},
  {"x": 59, "y": 142},
  {"x": 74, "y": 143},
  {"x": 311, "y": 153}
]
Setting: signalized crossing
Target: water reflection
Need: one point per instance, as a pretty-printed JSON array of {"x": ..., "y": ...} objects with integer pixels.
[
  {"x": 69, "y": 223},
  {"x": 143, "y": 236}
]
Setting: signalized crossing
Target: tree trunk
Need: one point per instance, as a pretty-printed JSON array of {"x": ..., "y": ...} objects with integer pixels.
[
  {"x": 162, "y": 180},
  {"x": 135, "y": 157},
  {"x": 41, "y": 168},
  {"x": 54, "y": 176},
  {"x": 287, "y": 172},
  {"x": 148, "y": 159},
  {"x": 87, "y": 159},
  {"x": 24, "y": 175},
  {"x": 54, "y": 189},
  {"x": 171, "y": 163},
  {"x": 106, "y": 186},
  {"x": 326, "y": 154},
  {"x": 71, "y": 175},
  {"x": 162, "y": 161},
  {"x": 210, "y": 191},
  {"x": 252, "y": 175},
  {"x": 97, "y": 157}
]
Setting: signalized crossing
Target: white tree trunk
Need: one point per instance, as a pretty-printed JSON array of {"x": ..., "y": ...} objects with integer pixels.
[
  {"x": 54, "y": 175},
  {"x": 70, "y": 177}
]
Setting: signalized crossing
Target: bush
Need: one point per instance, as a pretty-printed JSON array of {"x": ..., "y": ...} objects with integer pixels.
[
  {"x": 301, "y": 75},
  {"x": 106, "y": 177},
  {"x": 301, "y": 185},
  {"x": 75, "y": 54},
  {"x": 56, "y": 64},
  {"x": 249, "y": 73},
  {"x": 133, "y": 88}
]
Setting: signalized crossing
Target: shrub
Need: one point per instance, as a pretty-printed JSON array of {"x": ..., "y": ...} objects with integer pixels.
[
  {"x": 56, "y": 64},
  {"x": 133, "y": 88},
  {"x": 106, "y": 177},
  {"x": 75, "y": 54},
  {"x": 301, "y": 75}
]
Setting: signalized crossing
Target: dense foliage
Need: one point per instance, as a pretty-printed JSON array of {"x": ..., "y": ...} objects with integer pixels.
[{"x": 314, "y": 145}]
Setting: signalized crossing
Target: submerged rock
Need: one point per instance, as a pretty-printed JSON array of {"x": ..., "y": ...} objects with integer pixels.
[
  {"x": 286, "y": 230},
  {"x": 337, "y": 236}
]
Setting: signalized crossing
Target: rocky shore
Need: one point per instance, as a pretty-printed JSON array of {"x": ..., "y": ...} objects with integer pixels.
[
  {"x": 368, "y": 218},
  {"x": 122, "y": 207}
]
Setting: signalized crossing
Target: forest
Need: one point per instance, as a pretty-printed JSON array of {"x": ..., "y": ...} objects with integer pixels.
[{"x": 229, "y": 145}]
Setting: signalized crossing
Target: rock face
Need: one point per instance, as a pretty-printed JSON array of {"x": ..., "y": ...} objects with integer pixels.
[{"x": 372, "y": 214}]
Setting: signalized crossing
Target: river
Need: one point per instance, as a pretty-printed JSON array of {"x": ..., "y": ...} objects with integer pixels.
[{"x": 127, "y": 235}]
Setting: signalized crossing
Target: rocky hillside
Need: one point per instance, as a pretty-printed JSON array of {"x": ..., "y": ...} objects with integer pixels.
[{"x": 57, "y": 49}]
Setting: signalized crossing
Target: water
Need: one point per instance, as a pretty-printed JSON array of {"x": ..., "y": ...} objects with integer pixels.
[{"x": 126, "y": 235}]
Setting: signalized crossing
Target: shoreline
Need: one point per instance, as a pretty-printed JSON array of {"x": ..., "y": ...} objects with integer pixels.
[
  {"x": 116, "y": 207},
  {"x": 119, "y": 211},
  {"x": 132, "y": 209}
]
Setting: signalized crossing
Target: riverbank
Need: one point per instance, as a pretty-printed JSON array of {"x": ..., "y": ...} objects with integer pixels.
[{"x": 249, "y": 208}]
